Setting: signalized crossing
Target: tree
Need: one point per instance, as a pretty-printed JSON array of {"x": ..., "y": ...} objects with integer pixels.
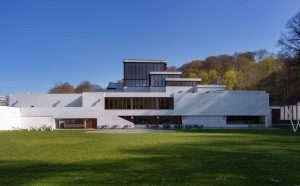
[
  {"x": 290, "y": 46},
  {"x": 290, "y": 40},
  {"x": 240, "y": 81},
  {"x": 192, "y": 75},
  {"x": 204, "y": 78},
  {"x": 194, "y": 66},
  {"x": 171, "y": 69},
  {"x": 120, "y": 81},
  {"x": 65, "y": 88},
  {"x": 62, "y": 88},
  {"x": 230, "y": 79},
  {"x": 87, "y": 86},
  {"x": 213, "y": 77},
  {"x": 261, "y": 54}
]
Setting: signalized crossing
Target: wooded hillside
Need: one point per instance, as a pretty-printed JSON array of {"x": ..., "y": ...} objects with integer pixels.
[{"x": 278, "y": 74}]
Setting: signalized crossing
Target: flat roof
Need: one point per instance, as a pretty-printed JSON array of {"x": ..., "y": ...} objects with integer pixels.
[
  {"x": 180, "y": 73},
  {"x": 144, "y": 61},
  {"x": 183, "y": 79},
  {"x": 211, "y": 86}
]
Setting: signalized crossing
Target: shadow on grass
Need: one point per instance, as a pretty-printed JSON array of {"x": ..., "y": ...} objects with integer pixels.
[{"x": 193, "y": 163}]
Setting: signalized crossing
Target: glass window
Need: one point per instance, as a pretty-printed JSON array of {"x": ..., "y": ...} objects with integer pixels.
[
  {"x": 126, "y": 70},
  {"x": 139, "y": 103},
  {"x": 144, "y": 72},
  {"x": 130, "y": 70},
  {"x": 106, "y": 103},
  {"x": 244, "y": 120},
  {"x": 154, "y": 119}
]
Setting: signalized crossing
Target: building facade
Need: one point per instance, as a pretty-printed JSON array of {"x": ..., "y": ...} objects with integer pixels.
[{"x": 149, "y": 97}]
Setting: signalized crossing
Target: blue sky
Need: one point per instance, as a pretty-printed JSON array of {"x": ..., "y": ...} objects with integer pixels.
[{"x": 47, "y": 42}]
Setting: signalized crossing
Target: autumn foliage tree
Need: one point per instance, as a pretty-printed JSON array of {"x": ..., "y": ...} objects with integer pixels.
[
  {"x": 86, "y": 86},
  {"x": 67, "y": 88},
  {"x": 230, "y": 79},
  {"x": 64, "y": 87},
  {"x": 278, "y": 74}
]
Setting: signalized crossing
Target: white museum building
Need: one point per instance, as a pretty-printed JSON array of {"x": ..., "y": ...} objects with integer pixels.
[{"x": 149, "y": 97}]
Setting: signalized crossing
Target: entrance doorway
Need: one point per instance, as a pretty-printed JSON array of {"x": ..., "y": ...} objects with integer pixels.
[{"x": 91, "y": 124}]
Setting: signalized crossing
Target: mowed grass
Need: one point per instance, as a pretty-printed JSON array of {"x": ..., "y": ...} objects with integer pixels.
[{"x": 186, "y": 157}]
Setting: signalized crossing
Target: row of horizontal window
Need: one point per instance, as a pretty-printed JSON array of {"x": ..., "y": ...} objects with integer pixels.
[
  {"x": 245, "y": 120},
  {"x": 158, "y": 80},
  {"x": 182, "y": 83},
  {"x": 154, "y": 119},
  {"x": 139, "y": 103},
  {"x": 136, "y": 82}
]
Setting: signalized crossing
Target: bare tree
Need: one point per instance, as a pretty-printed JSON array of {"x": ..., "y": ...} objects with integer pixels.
[
  {"x": 290, "y": 44},
  {"x": 261, "y": 54},
  {"x": 290, "y": 40}
]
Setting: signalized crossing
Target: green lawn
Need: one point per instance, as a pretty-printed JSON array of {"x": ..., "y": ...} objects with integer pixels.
[{"x": 186, "y": 157}]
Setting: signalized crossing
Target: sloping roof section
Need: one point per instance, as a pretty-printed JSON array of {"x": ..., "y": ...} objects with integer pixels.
[{"x": 115, "y": 86}]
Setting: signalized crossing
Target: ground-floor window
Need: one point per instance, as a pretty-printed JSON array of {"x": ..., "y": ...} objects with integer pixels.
[
  {"x": 245, "y": 119},
  {"x": 154, "y": 119}
]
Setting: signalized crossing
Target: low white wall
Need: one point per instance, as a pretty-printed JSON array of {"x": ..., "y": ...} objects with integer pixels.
[
  {"x": 36, "y": 122},
  {"x": 9, "y": 118}
]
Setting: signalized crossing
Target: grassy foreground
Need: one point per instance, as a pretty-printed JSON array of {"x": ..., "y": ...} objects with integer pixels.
[{"x": 203, "y": 157}]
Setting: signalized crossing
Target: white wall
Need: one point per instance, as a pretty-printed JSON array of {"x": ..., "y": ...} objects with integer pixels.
[
  {"x": 213, "y": 104},
  {"x": 9, "y": 118},
  {"x": 45, "y": 100},
  {"x": 65, "y": 112},
  {"x": 204, "y": 108},
  {"x": 221, "y": 103},
  {"x": 36, "y": 122}
]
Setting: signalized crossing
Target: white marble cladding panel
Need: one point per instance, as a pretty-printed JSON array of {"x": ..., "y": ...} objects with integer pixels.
[
  {"x": 223, "y": 103},
  {"x": 45, "y": 100},
  {"x": 65, "y": 112}
]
